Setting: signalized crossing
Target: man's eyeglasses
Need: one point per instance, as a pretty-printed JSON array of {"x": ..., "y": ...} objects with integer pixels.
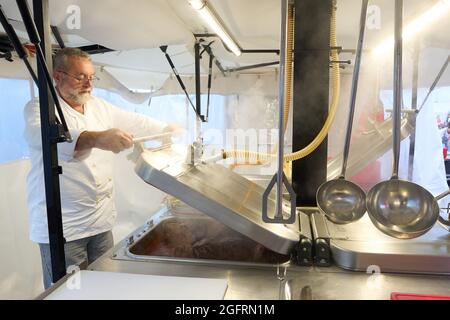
[{"x": 81, "y": 77}]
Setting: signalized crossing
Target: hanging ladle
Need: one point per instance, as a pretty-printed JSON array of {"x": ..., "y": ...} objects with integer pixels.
[
  {"x": 399, "y": 208},
  {"x": 343, "y": 201}
]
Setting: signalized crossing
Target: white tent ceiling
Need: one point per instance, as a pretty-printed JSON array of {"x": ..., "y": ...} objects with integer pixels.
[{"x": 136, "y": 28}]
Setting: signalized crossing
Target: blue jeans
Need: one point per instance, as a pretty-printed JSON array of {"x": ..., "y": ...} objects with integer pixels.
[{"x": 76, "y": 252}]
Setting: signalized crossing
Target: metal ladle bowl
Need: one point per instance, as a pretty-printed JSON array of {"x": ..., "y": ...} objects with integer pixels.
[
  {"x": 402, "y": 209},
  {"x": 399, "y": 208},
  {"x": 342, "y": 200}
]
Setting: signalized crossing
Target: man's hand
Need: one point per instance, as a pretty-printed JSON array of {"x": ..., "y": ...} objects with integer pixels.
[{"x": 114, "y": 140}]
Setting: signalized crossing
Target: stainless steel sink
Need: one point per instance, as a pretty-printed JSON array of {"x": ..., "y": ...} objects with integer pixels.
[{"x": 183, "y": 234}]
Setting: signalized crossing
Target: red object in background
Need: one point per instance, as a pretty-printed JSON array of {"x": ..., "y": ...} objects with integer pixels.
[
  {"x": 444, "y": 151},
  {"x": 368, "y": 176},
  {"x": 415, "y": 296},
  {"x": 379, "y": 116}
]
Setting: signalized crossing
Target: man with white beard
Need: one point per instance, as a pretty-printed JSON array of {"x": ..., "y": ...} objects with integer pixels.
[{"x": 98, "y": 129}]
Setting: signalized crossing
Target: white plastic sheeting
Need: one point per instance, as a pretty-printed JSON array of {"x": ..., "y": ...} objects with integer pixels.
[
  {"x": 429, "y": 169},
  {"x": 20, "y": 270},
  {"x": 152, "y": 60},
  {"x": 137, "y": 86},
  {"x": 144, "y": 25},
  {"x": 258, "y": 84},
  {"x": 114, "y": 23},
  {"x": 108, "y": 81},
  {"x": 136, "y": 200}
]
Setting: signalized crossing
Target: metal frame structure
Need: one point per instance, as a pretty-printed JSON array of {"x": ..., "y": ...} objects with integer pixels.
[
  {"x": 198, "y": 101},
  {"x": 49, "y": 131}
]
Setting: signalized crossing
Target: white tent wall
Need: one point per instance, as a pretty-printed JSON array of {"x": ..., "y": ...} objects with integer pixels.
[
  {"x": 20, "y": 270},
  {"x": 429, "y": 169},
  {"x": 15, "y": 69}
]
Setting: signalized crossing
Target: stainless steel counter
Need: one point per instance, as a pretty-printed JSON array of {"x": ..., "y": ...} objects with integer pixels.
[
  {"x": 235, "y": 201},
  {"x": 247, "y": 282}
]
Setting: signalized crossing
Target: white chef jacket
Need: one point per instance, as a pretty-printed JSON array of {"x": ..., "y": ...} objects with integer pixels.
[{"x": 86, "y": 183}]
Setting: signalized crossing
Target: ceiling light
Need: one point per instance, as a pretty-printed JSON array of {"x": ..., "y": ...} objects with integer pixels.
[
  {"x": 214, "y": 23},
  {"x": 425, "y": 20}
]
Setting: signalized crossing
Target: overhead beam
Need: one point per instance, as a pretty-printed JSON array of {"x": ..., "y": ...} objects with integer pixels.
[{"x": 58, "y": 37}]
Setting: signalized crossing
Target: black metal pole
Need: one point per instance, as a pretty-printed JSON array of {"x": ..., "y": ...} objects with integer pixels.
[
  {"x": 216, "y": 61},
  {"x": 12, "y": 36},
  {"x": 58, "y": 37},
  {"x": 49, "y": 130},
  {"x": 198, "y": 102},
  {"x": 211, "y": 58},
  {"x": 177, "y": 76},
  {"x": 254, "y": 66},
  {"x": 310, "y": 95},
  {"x": 219, "y": 66},
  {"x": 412, "y": 137}
]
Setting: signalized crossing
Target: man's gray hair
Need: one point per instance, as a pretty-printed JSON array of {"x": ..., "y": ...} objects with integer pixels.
[{"x": 60, "y": 60}]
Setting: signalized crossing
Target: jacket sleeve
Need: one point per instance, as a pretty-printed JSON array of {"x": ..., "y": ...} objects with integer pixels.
[
  {"x": 33, "y": 132},
  {"x": 134, "y": 123}
]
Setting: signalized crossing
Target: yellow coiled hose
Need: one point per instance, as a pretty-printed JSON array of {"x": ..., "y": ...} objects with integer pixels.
[
  {"x": 289, "y": 66},
  {"x": 250, "y": 155}
]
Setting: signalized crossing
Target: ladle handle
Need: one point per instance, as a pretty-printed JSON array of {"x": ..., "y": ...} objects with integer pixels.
[
  {"x": 397, "y": 85},
  {"x": 348, "y": 135},
  {"x": 438, "y": 77},
  {"x": 152, "y": 137},
  {"x": 283, "y": 32},
  {"x": 443, "y": 195}
]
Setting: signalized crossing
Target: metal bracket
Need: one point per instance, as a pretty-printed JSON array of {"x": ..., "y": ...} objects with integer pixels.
[
  {"x": 321, "y": 235},
  {"x": 303, "y": 252}
]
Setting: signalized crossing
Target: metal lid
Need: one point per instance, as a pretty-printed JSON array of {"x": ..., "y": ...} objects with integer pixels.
[{"x": 220, "y": 193}]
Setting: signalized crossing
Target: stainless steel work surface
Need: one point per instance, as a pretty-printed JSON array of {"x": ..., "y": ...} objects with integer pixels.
[
  {"x": 281, "y": 281},
  {"x": 255, "y": 283},
  {"x": 101, "y": 285},
  {"x": 361, "y": 246},
  {"x": 219, "y": 193}
]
